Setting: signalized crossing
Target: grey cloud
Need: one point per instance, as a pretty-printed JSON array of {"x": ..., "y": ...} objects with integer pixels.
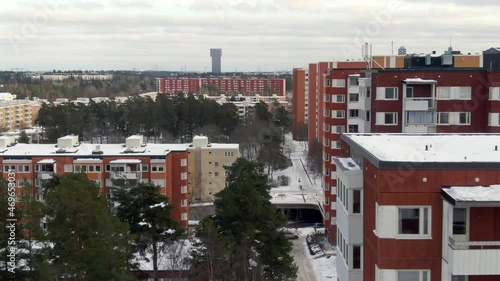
[{"x": 131, "y": 3}]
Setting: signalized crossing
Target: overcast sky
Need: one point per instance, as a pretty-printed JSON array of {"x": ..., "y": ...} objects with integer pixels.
[{"x": 254, "y": 34}]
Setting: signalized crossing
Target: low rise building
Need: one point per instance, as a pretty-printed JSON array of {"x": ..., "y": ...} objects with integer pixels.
[{"x": 207, "y": 162}]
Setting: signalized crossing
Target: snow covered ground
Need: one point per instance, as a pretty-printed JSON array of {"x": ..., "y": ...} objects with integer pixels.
[{"x": 322, "y": 266}]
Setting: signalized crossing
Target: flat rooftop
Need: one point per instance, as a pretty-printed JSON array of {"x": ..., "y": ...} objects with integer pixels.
[
  {"x": 85, "y": 149},
  {"x": 428, "y": 148},
  {"x": 472, "y": 195}
]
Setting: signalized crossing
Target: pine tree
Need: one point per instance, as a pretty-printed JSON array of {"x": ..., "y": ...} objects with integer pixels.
[
  {"x": 249, "y": 225},
  {"x": 149, "y": 215},
  {"x": 89, "y": 243},
  {"x": 23, "y": 137}
]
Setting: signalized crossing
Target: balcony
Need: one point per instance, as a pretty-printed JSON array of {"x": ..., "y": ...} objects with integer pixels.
[
  {"x": 420, "y": 104},
  {"x": 125, "y": 175},
  {"x": 474, "y": 257},
  {"x": 45, "y": 175}
]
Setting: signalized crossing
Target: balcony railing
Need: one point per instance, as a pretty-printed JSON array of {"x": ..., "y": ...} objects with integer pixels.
[
  {"x": 45, "y": 175},
  {"x": 125, "y": 175},
  {"x": 473, "y": 245}
]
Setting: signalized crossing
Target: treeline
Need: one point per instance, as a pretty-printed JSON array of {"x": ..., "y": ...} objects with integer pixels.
[
  {"x": 72, "y": 88},
  {"x": 166, "y": 120}
]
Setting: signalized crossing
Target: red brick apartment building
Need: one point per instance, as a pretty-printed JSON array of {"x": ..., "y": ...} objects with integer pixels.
[
  {"x": 226, "y": 85},
  {"x": 164, "y": 165},
  {"x": 418, "y": 207},
  {"x": 403, "y": 101}
]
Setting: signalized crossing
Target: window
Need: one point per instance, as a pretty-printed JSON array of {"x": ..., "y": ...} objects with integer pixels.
[
  {"x": 9, "y": 168},
  {"x": 91, "y": 168},
  {"x": 338, "y": 114},
  {"x": 327, "y": 112},
  {"x": 409, "y": 92},
  {"x": 356, "y": 201},
  {"x": 387, "y": 118},
  {"x": 338, "y": 129},
  {"x": 338, "y": 98},
  {"x": 443, "y": 93},
  {"x": 336, "y": 144},
  {"x": 229, "y": 153},
  {"x": 356, "y": 257},
  {"x": 338, "y": 83},
  {"x": 459, "y": 221},
  {"x": 414, "y": 221},
  {"x": 368, "y": 116},
  {"x": 216, "y": 164},
  {"x": 158, "y": 182},
  {"x": 464, "y": 118},
  {"x": 184, "y": 189},
  {"x": 353, "y": 113},
  {"x": 389, "y": 93},
  {"x": 353, "y": 129},
  {"x": 144, "y": 167},
  {"x": 184, "y": 216},
  {"x": 97, "y": 182},
  {"x": 327, "y": 201},
  {"x": 413, "y": 275},
  {"x": 327, "y": 186},
  {"x": 184, "y": 176},
  {"x": 24, "y": 168},
  {"x": 77, "y": 168},
  {"x": 353, "y": 97},
  {"x": 327, "y": 98},
  {"x": 184, "y": 162},
  {"x": 157, "y": 168},
  {"x": 443, "y": 118},
  {"x": 458, "y": 278},
  {"x": 98, "y": 168},
  {"x": 184, "y": 203},
  {"x": 464, "y": 93},
  {"x": 353, "y": 81},
  {"x": 494, "y": 93},
  {"x": 216, "y": 174}
]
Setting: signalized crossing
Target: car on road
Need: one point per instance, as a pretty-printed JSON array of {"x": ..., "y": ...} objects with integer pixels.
[{"x": 290, "y": 235}]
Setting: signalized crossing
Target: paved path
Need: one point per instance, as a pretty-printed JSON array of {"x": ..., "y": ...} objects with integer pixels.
[{"x": 305, "y": 272}]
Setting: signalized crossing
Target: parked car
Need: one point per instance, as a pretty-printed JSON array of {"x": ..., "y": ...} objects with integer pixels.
[{"x": 290, "y": 235}]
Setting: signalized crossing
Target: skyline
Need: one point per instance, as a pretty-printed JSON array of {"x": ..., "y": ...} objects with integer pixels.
[{"x": 261, "y": 35}]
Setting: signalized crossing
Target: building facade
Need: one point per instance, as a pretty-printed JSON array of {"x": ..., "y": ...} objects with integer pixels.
[
  {"x": 418, "y": 207},
  {"x": 165, "y": 165},
  {"x": 222, "y": 85},
  {"x": 207, "y": 162}
]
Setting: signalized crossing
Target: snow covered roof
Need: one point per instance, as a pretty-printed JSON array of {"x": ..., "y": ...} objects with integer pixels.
[
  {"x": 85, "y": 149},
  {"x": 419, "y": 81},
  {"x": 347, "y": 164},
  {"x": 429, "y": 150},
  {"x": 125, "y": 161},
  {"x": 473, "y": 195},
  {"x": 46, "y": 161}
]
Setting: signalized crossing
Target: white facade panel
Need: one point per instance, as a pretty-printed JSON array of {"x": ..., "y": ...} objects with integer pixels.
[
  {"x": 393, "y": 62},
  {"x": 386, "y": 221},
  {"x": 386, "y": 275},
  {"x": 423, "y": 129},
  {"x": 416, "y": 105},
  {"x": 353, "y": 89},
  {"x": 475, "y": 262}
]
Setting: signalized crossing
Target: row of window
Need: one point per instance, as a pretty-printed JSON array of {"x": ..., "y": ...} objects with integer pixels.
[
  {"x": 349, "y": 199},
  {"x": 422, "y": 117},
  {"x": 442, "y": 93},
  {"x": 340, "y": 83}
]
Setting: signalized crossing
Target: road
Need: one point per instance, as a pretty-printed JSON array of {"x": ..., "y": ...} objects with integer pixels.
[{"x": 305, "y": 272}]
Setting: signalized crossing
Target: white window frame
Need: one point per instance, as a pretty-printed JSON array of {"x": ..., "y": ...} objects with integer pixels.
[
  {"x": 381, "y": 119},
  {"x": 421, "y": 221},
  {"x": 411, "y": 91},
  {"x": 158, "y": 182},
  {"x": 338, "y": 129},
  {"x": 336, "y": 144},
  {"x": 337, "y": 113},
  {"x": 440, "y": 118},
  {"x": 338, "y": 99},
  {"x": 184, "y": 217},
  {"x": 338, "y": 83},
  {"x": 184, "y": 203},
  {"x": 494, "y": 119},
  {"x": 453, "y": 93},
  {"x": 184, "y": 162},
  {"x": 495, "y": 93},
  {"x": 183, "y": 176},
  {"x": 184, "y": 189},
  {"x": 382, "y": 93},
  {"x": 155, "y": 168}
]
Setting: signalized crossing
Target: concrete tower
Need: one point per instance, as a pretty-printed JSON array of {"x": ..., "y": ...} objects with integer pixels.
[{"x": 216, "y": 55}]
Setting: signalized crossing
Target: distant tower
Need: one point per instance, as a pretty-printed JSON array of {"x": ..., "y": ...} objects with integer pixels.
[
  {"x": 216, "y": 55},
  {"x": 402, "y": 51}
]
